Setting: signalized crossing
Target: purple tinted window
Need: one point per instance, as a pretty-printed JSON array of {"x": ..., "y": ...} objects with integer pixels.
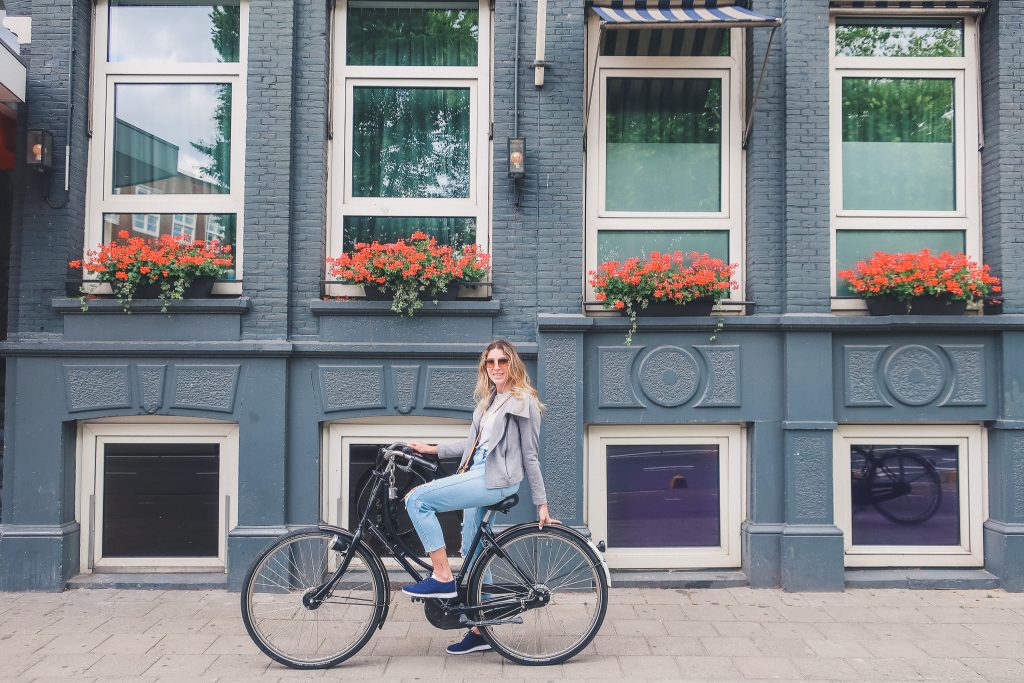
[
  {"x": 905, "y": 495},
  {"x": 663, "y": 496}
]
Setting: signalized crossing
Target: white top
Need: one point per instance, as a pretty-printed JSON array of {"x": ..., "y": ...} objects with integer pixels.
[{"x": 490, "y": 428}]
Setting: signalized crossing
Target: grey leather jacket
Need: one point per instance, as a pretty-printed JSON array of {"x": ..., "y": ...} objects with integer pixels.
[{"x": 515, "y": 454}]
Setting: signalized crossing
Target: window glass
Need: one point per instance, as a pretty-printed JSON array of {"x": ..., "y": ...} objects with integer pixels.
[
  {"x": 898, "y": 145},
  {"x": 663, "y": 496},
  {"x": 452, "y": 231},
  {"x": 666, "y": 42},
  {"x": 874, "y": 37},
  {"x": 618, "y": 245},
  {"x": 860, "y": 245},
  {"x": 201, "y": 226},
  {"x": 175, "y": 138},
  {"x": 442, "y": 35},
  {"x": 161, "y": 500},
  {"x": 410, "y": 142},
  {"x": 663, "y": 145},
  {"x": 172, "y": 31},
  {"x": 905, "y": 495}
]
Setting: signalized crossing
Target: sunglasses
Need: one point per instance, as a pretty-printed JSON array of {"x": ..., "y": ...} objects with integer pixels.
[{"x": 496, "y": 362}]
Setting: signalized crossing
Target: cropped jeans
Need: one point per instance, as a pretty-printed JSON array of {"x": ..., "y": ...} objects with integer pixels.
[{"x": 465, "y": 491}]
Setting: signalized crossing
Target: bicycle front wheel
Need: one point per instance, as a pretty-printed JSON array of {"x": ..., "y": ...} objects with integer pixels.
[
  {"x": 549, "y": 579},
  {"x": 905, "y": 488},
  {"x": 301, "y": 636}
]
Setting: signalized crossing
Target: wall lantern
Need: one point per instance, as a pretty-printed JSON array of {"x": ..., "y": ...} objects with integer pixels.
[
  {"x": 516, "y": 158},
  {"x": 39, "y": 149}
]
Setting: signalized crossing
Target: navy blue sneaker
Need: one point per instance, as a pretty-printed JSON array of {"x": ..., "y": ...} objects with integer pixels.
[
  {"x": 472, "y": 642},
  {"x": 432, "y": 588}
]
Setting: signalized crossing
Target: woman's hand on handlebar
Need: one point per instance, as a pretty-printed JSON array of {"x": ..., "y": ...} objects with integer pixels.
[{"x": 423, "y": 448}]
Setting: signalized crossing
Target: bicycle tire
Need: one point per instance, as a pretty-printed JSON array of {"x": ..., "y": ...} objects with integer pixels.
[
  {"x": 924, "y": 491},
  {"x": 569, "y": 569},
  {"x": 284, "y": 572}
]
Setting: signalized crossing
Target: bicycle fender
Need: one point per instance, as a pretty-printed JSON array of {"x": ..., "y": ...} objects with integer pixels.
[
  {"x": 585, "y": 537},
  {"x": 380, "y": 566}
]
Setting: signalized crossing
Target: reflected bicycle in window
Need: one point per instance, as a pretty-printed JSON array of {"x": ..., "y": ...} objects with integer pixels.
[{"x": 903, "y": 485}]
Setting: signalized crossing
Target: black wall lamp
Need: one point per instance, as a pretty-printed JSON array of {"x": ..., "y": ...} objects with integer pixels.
[
  {"x": 516, "y": 158},
  {"x": 39, "y": 150}
]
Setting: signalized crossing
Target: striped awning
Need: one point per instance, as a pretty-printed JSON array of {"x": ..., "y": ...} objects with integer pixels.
[
  {"x": 680, "y": 13},
  {"x": 970, "y": 5}
]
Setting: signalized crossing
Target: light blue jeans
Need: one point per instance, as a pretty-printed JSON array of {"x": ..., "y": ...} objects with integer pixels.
[{"x": 465, "y": 491}]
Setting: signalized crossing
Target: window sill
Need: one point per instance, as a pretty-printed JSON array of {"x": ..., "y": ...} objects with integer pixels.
[
  {"x": 188, "y": 320},
  {"x": 216, "y": 304},
  {"x": 855, "y": 306},
  {"x": 596, "y": 309},
  {"x": 360, "y": 307}
]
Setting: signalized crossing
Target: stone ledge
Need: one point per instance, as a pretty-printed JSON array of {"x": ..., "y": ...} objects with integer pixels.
[
  {"x": 696, "y": 578},
  {"x": 358, "y": 307},
  {"x": 152, "y": 581},
  {"x": 921, "y": 579},
  {"x": 227, "y": 304}
]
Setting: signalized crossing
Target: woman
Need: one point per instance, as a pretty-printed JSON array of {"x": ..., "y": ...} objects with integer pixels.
[{"x": 501, "y": 450}]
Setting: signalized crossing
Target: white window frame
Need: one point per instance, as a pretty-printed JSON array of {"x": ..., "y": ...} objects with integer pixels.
[
  {"x": 94, "y": 435},
  {"x": 105, "y": 76},
  {"x": 964, "y": 72},
  {"x": 731, "y": 442},
  {"x": 731, "y": 218},
  {"x": 477, "y": 79},
  {"x": 972, "y": 477},
  {"x": 338, "y": 439}
]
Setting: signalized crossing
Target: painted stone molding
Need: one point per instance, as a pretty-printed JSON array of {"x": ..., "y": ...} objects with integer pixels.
[
  {"x": 914, "y": 375},
  {"x": 451, "y": 388},
  {"x": 861, "y": 383},
  {"x": 151, "y": 386},
  {"x": 811, "y": 477},
  {"x": 206, "y": 387},
  {"x": 561, "y": 439},
  {"x": 96, "y": 387},
  {"x": 351, "y": 387},
  {"x": 615, "y": 376},
  {"x": 669, "y": 376},
  {"x": 404, "y": 382},
  {"x": 722, "y": 390},
  {"x": 1017, "y": 454}
]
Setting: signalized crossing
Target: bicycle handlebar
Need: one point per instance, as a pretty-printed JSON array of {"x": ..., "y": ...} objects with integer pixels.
[{"x": 400, "y": 449}]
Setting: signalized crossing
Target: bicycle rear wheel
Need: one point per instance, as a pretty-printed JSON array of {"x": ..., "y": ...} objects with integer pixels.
[
  {"x": 299, "y": 636},
  {"x": 570, "y": 585},
  {"x": 905, "y": 488}
]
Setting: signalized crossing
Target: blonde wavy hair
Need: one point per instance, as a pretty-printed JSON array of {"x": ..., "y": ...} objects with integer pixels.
[{"x": 518, "y": 378}]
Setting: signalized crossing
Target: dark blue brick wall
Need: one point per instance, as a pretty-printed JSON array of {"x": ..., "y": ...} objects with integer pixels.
[{"x": 1002, "y": 73}]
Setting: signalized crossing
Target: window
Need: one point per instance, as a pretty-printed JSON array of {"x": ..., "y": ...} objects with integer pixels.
[
  {"x": 411, "y": 117},
  {"x": 168, "y": 118},
  {"x": 666, "y": 496},
  {"x": 911, "y": 496},
  {"x": 904, "y": 139},
  {"x": 156, "y": 493},
  {"x": 664, "y": 143},
  {"x": 351, "y": 450}
]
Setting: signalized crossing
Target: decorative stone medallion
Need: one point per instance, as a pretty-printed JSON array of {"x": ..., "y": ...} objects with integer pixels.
[
  {"x": 915, "y": 375},
  {"x": 669, "y": 376}
]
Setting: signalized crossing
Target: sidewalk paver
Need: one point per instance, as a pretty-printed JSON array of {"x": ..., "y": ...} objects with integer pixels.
[{"x": 733, "y": 634}]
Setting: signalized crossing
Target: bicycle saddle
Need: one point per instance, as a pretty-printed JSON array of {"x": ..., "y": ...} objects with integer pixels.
[{"x": 504, "y": 505}]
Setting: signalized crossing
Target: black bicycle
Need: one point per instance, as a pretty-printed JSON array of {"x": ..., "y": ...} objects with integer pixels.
[
  {"x": 902, "y": 485},
  {"x": 314, "y": 598}
]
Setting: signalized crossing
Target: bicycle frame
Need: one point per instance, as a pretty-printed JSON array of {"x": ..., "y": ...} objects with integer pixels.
[{"x": 483, "y": 535}]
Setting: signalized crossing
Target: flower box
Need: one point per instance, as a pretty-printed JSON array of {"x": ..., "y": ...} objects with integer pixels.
[
  {"x": 920, "y": 283},
  {"x": 921, "y": 305},
  {"x": 410, "y": 271},
  {"x": 663, "y": 284}
]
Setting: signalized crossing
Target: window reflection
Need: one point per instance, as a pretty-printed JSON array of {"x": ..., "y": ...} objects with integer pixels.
[
  {"x": 173, "y": 32},
  {"x": 199, "y": 226},
  {"x": 173, "y": 138}
]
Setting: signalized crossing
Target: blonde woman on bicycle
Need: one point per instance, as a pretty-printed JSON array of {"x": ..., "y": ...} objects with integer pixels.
[{"x": 500, "y": 451}]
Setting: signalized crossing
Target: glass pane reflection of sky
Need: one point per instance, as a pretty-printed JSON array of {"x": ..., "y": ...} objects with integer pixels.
[{"x": 168, "y": 33}]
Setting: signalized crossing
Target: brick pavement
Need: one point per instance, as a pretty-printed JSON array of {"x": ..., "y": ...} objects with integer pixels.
[{"x": 650, "y": 634}]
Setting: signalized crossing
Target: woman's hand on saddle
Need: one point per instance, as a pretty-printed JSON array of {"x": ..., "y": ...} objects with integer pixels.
[
  {"x": 544, "y": 517},
  {"x": 422, "y": 448}
]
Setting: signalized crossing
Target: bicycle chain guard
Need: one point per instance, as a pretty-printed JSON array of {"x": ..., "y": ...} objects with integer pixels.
[{"x": 435, "y": 612}]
